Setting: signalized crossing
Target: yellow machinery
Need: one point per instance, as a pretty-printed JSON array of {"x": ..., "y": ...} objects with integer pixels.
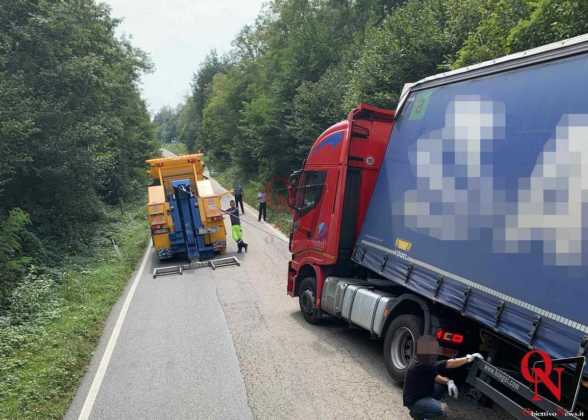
[{"x": 184, "y": 211}]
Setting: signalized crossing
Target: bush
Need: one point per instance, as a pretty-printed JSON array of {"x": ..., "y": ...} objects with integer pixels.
[{"x": 13, "y": 261}]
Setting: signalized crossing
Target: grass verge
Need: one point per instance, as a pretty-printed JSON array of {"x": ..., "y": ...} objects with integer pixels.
[{"x": 55, "y": 321}]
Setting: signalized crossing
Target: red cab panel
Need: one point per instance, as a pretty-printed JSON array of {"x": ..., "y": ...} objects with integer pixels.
[{"x": 332, "y": 192}]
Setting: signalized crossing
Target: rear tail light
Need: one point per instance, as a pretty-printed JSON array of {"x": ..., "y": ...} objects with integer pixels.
[{"x": 449, "y": 337}]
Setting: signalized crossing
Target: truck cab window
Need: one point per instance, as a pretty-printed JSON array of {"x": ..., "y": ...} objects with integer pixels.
[{"x": 310, "y": 190}]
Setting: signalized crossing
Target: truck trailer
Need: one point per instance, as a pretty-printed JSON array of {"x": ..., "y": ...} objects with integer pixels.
[
  {"x": 183, "y": 210},
  {"x": 462, "y": 214}
]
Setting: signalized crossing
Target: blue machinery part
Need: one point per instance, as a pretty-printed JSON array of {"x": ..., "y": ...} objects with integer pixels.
[{"x": 188, "y": 236}]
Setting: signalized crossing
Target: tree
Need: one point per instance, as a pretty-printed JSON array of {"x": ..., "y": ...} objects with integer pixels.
[
  {"x": 550, "y": 21},
  {"x": 412, "y": 43},
  {"x": 491, "y": 38},
  {"x": 74, "y": 131}
]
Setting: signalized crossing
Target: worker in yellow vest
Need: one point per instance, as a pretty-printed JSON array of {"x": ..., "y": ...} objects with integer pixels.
[{"x": 236, "y": 229}]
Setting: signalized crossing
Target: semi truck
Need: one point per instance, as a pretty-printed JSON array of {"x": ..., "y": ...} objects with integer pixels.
[
  {"x": 183, "y": 210},
  {"x": 460, "y": 214}
]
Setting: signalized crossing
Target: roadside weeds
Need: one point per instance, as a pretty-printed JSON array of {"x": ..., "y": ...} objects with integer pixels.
[{"x": 45, "y": 351}]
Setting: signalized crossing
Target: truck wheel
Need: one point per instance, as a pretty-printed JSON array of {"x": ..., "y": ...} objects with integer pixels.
[
  {"x": 307, "y": 301},
  {"x": 400, "y": 344}
]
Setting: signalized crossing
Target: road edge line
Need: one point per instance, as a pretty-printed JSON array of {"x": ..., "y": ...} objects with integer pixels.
[{"x": 105, "y": 361}]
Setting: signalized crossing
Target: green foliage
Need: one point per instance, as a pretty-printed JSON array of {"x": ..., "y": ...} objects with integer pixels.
[
  {"x": 13, "y": 261},
  {"x": 74, "y": 128},
  {"x": 551, "y": 20},
  {"x": 411, "y": 44},
  {"x": 491, "y": 37},
  {"x": 316, "y": 106},
  {"x": 74, "y": 134},
  {"x": 74, "y": 131},
  {"x": 166, "y": 121}
]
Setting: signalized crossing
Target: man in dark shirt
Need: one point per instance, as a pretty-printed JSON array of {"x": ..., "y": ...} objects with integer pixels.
[
  {"x": 238, "y": 193},
  {"x": 236, "y": 231},
  {"x": 425, "y": 380}
]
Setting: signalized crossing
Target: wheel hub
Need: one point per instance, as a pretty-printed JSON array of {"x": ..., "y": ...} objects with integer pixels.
[{"x": 402, "y": 348}]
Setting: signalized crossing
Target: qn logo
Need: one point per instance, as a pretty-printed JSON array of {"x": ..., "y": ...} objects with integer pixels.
[{"x": 541, "y": 375}]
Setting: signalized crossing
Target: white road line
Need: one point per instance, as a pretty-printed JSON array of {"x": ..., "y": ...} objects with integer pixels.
[{"x": 99, "y": 376}]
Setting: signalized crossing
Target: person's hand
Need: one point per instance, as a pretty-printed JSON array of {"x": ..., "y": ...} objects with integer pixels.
[
  {"x": 472, "y": 357},
  {"x": 452, "y": 389}
]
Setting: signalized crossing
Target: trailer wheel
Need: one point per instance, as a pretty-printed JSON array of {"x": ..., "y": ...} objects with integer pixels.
[
  {"x": 307, "y": 301},
  {"x": 400, "y": 344}
]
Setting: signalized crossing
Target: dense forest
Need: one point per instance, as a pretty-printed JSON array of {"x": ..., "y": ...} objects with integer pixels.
[
  {"x": 304, "y": 64},
  {"x": 74, "y": 131},
  {"x": 74, "y": 134}
]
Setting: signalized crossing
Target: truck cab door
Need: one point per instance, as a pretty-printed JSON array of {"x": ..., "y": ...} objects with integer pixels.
[{"x": 307, "y": 209}]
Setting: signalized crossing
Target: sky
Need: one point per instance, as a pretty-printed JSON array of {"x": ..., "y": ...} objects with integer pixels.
[{"x": 177, "y": 35}]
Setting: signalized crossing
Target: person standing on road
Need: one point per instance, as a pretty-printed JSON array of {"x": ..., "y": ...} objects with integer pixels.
[
  {"x": 238, "y": 193},
  {"x": 261, "y": 205},
  {"x": 426, "y": 383},
  {"x": 236, "y": 231}
]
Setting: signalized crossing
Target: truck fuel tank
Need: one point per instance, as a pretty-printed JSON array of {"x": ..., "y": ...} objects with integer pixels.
[{"x": 356, "y": 301}]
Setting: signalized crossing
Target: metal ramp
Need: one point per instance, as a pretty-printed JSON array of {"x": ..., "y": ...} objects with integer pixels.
[{"x": 179, "y": 269}]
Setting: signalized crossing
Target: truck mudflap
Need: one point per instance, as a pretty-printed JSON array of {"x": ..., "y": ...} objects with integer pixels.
[{"x": 520, "y": 400}]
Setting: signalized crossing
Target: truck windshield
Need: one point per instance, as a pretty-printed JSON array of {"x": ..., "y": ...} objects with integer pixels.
[{"x": 310, "y": 191}]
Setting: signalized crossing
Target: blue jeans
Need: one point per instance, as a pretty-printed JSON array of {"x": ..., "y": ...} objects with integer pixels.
[{"x": 429, "y": 407}]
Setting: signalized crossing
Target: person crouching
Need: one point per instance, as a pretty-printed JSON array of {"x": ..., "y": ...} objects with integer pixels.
[{"x": 426, "y": 381}]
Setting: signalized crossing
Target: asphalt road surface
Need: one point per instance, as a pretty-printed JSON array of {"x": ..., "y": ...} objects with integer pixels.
[{"x": 230, "y": 344}]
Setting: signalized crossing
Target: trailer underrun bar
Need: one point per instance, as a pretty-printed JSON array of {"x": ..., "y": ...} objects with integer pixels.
[{"x": 179, "y": 269}]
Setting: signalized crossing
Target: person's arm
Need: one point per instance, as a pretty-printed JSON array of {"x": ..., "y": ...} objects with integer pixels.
[
  {"x": 455, "y": 363},
  {"x": 441, "y": 380}
]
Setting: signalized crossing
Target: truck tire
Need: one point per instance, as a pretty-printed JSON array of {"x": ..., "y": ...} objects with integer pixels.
[
  {"x": 400, "y": 344},
  {"x": 307, "y": 301}
]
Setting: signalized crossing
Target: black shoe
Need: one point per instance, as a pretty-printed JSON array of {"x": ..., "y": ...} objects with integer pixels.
[{"x": 246, "y": 246}]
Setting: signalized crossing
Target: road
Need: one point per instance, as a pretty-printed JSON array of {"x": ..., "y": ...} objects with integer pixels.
[{"x": 230, "y": 344}]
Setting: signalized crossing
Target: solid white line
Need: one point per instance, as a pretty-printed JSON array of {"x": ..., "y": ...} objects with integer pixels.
[{"x": 99, "y": 376}]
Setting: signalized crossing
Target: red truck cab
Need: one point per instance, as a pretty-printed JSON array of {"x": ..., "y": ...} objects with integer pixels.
[{"x": 329, "y": 198}]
